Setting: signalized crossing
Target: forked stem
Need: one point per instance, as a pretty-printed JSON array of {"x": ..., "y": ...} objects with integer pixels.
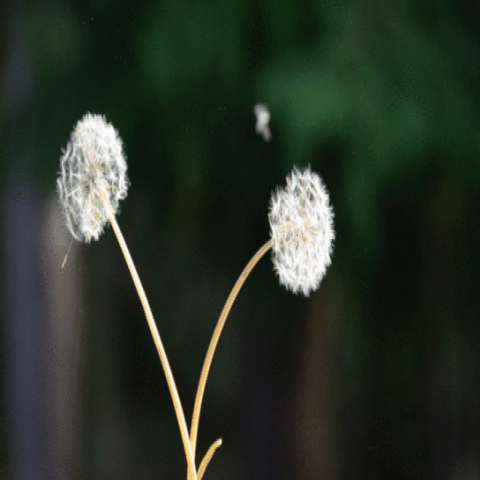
[
  {"x": 158, "y": 343},
  {"x": 213, "y": 342}
]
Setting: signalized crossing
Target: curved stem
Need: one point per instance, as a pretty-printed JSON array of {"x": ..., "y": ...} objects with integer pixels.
[
  {"x": 213, "y": 342},
  {"x": 158, "y": 343},
  {"x": 207, "y": 458}
]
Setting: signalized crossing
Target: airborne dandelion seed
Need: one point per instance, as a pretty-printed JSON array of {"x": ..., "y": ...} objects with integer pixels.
[{"x": 263, "y": 118}]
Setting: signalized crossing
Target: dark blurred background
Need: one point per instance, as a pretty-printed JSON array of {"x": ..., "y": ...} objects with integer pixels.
[{"x": 376, "y": 375}]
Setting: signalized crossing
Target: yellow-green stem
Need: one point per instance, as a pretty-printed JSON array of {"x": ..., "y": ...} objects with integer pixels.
[
  {"x": 213, "y": 342},
  {"x": 158, "y": 343}
]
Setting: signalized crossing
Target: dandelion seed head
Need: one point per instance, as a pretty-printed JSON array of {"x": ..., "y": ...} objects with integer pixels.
[
  {"x": 301, "y": 225},
  {"x": 93, "y": 177}
]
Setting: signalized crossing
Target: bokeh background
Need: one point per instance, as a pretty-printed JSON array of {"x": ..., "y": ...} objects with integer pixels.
[{"x": 376, "y": 375}]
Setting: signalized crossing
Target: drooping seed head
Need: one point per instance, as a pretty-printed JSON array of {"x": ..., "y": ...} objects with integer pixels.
[
  {"x": 301, "y": 224},
  {"x": 93, "y": 177}
]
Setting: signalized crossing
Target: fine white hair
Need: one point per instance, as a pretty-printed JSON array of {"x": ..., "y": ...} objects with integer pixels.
[
  {"x": 93, "y": 177},
  {"x": 301, "y": 223}
]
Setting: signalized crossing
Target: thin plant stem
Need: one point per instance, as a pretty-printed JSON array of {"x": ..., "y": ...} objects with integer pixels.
[
  {"x": 207, "y": 458},
  {"x": 158, "y": 343},
  {"x": 213, "y": 342}
]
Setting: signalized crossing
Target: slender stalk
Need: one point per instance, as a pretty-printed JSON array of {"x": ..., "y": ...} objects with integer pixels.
[
  {"x": 213, "y": 342},
  {"x": 158, "y": 343},
  {"x": 207, "y": 458}
]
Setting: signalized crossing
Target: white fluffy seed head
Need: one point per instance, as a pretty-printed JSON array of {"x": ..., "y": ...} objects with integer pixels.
[
  {"x": 301, "y": 223},
  {"x": 93, "y": 177}
]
